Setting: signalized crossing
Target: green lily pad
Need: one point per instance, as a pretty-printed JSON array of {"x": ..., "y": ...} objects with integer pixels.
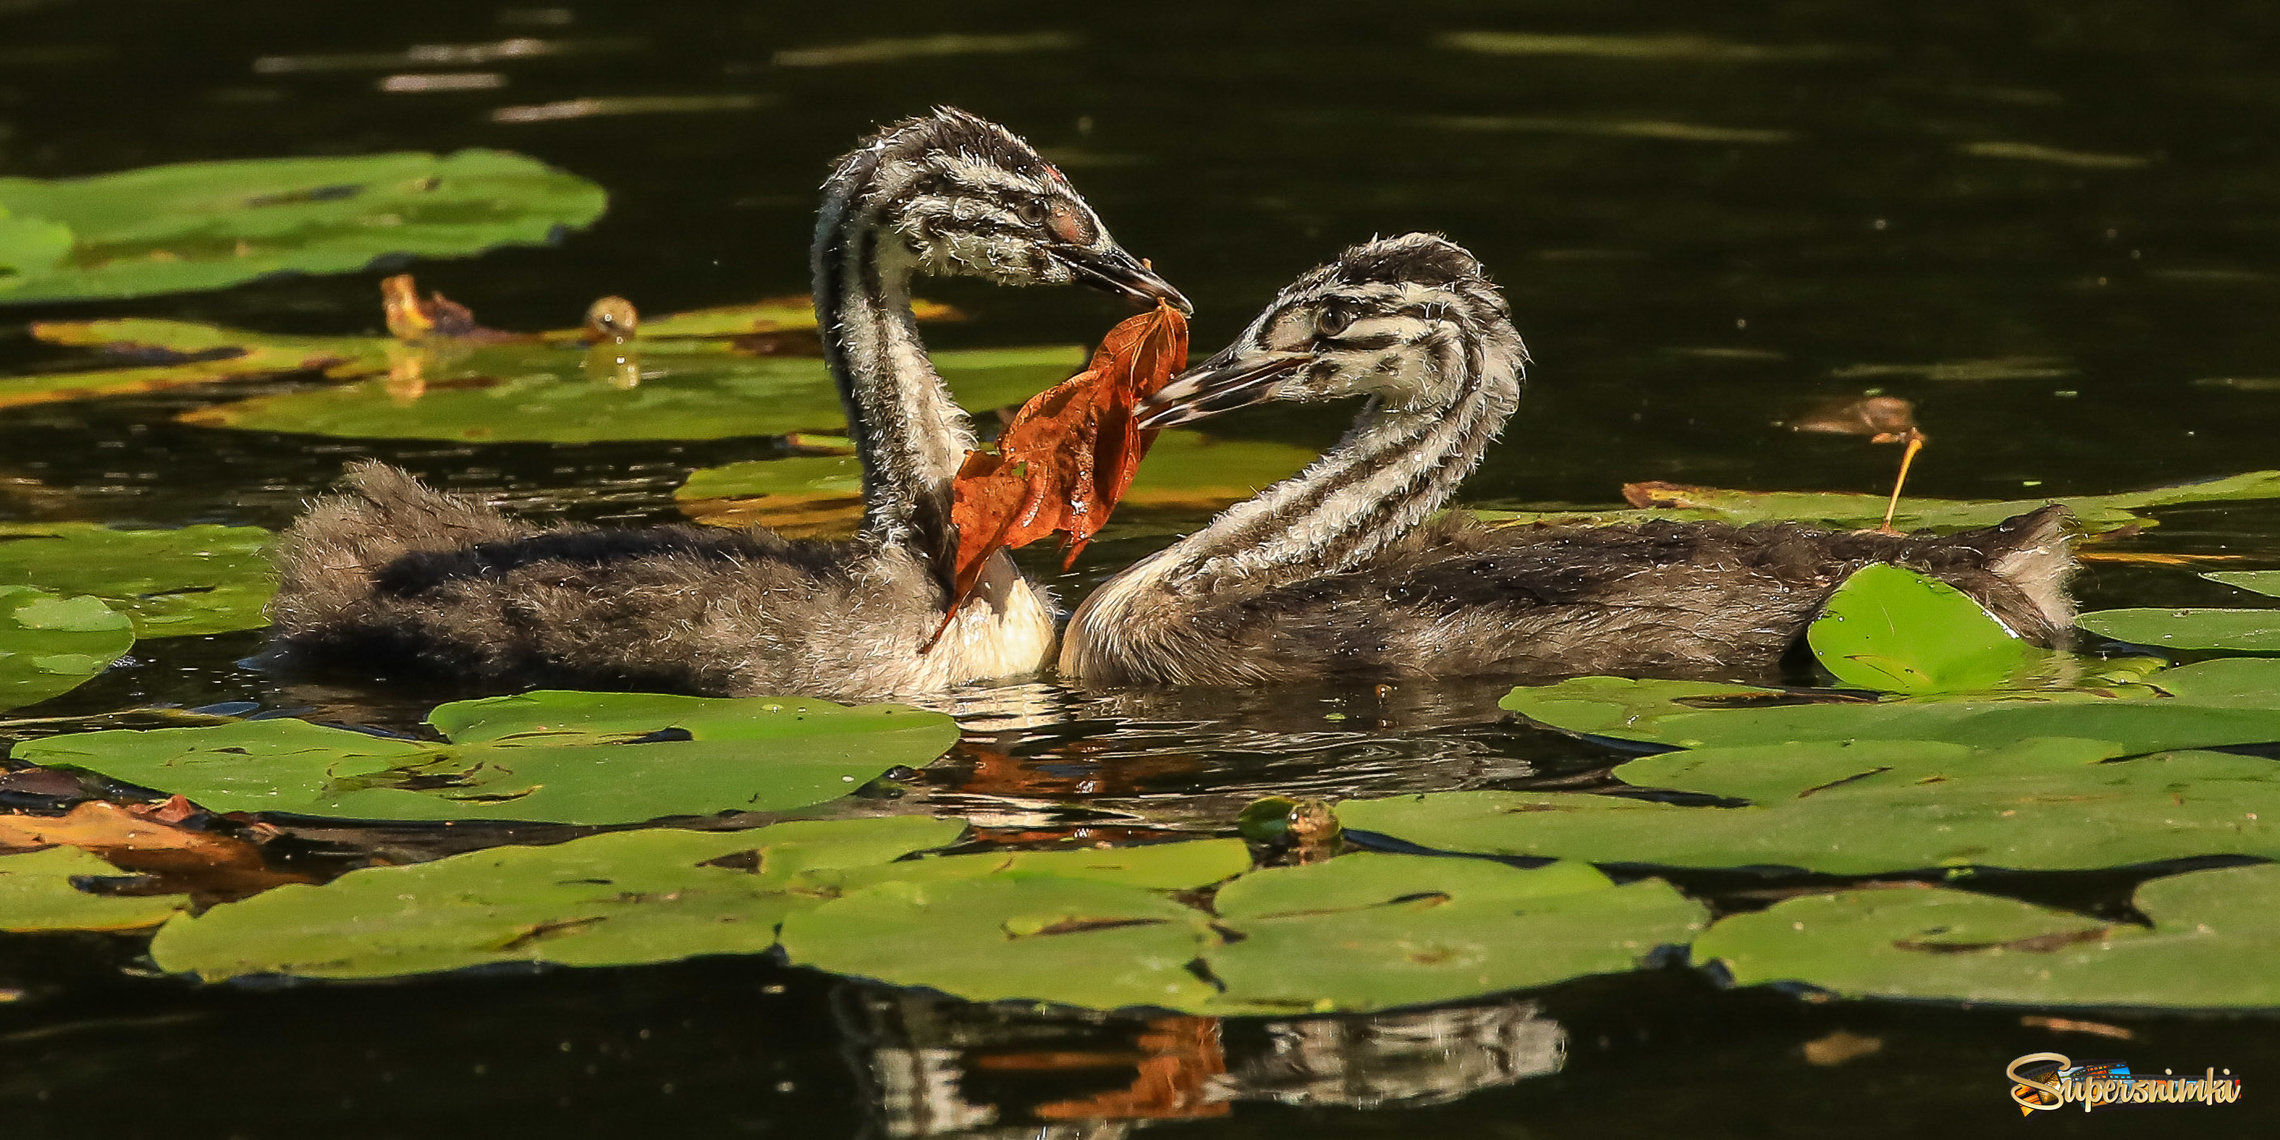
[
  {"x": 50, "y": 645},
  {"x": 629, "y": 897},
  {"x": 1369, "y": 931},
  {"x": 1157, "y": 866},
  {"x": 2044, "y": 810},
  {"x": 2259, "y": 581},
  {"x": 1035, "y": 937},
  {"x": 1360, "y": 932},
  {"x": 38, "y": 892},
  {"x": 2211, "y": 945},
  {"x": 172, "y": 583},
  {"x": 1889, "y": 628},
  {"x": 541, "y": 394},
  {"x": 1768, "y": 773},
  {"x": 566, "y": 757},
  {"x": 2240, "y": 631},
  {"x": 2216, "y": 704},
  {"x": 2096, "y": 513},
  {"x": 207, "y": 225}
]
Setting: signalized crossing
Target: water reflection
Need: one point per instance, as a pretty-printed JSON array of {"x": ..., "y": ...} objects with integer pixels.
[{"x": 933, "y": 1066}]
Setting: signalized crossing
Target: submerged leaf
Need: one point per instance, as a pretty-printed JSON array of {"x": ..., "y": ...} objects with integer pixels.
[
  {"x": 416, "y": 360},
  {"x": 50, "y": 645},
  {"x": 566, "y": 757},
  {"x": 541, "y": 394},
  {"x": 207, "y": 225}
]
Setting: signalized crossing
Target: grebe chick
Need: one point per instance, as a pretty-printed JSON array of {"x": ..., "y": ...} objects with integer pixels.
[
  {"x": 1341, "y": 570},
  {"x": 394, "y": 574}
]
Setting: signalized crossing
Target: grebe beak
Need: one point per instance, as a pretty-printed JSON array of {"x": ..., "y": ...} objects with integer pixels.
[
  {"x": 1115, "y": 271},
  {"x": 1221, "y": 384}
]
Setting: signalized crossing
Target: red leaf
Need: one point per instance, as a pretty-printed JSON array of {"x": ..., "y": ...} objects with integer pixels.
[{"x": 1070, "y": 453}]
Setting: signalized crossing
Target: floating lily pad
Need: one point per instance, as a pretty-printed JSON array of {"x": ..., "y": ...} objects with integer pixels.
[
  {"x": 636, "y": 896},
  {"x": 198, "y": 579},
  {"x": 816, "y": 493},
  {"x": 1889, "y": 628},
  {"x": 1034, "y": 937},
  {"x": 2095, "y": 513},
  {"x": 2259, "y": 581},
  {"x": 2213, "y": 939},
  {"x": 2041, "y": 811},
  {"x": 1768, "y": 773},
  {"x": 39, "y": 890},
  {"x": 2216, "y": 703},
  {"x": 1360, "y": 932},
  {"x": 1158, "y": 866},
  {"x": 207, "y": 225},
  {"x": 50, "y": 645},
  {"x": 2240, "y": 631},
  {"x": 522, "y": 393},
  {"x": 566, "y": 757},
  {"x": 1369, "y": 931}
]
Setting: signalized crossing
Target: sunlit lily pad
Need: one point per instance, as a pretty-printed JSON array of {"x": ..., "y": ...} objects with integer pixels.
[
  {"x": 39, "y": 891},
  {"x": 1032, "y": 937},
  {"x": 1768, "y": 773},
  {"x": 522, "y": 393},
  {"x": 2214, "y": 937},
  {"x": 206, "y": 225},
  {"x": 628, "y": 897},
  {"x": 2218, "y": 703},
  {"x": 50, "y": 645},
  {"x": 1360, "y": 932},
  {"x": 2096, "y": 513},
  {"x": 1370, "y": 931},
  {"x": 567, "y": 757},
  {"x": 197, "y": 579},
  {"x": 2240, "y": 631},
  {"x": 1892, "y": 629},
  {"x": 2259, "y": 581},
  {"x": 824, "y": 493},
  {"x": 2048, "y": 811},
  {"x": 1158, "y": 866}
]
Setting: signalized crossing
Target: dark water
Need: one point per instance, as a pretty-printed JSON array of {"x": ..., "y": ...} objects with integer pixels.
[{"x": 2072, "y": 208}]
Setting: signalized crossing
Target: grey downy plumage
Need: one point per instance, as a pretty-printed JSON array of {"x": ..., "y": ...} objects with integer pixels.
[
  {"x": 1344, "y": 570},
  {"x": 392, "y": 574}
]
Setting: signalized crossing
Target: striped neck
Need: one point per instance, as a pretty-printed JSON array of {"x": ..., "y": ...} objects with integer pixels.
[
  {"x": 909, "y": 433},
  {"x": 1392, "y": 471}
]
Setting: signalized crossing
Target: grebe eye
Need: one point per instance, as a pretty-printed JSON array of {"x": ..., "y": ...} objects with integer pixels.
[
  {"x": 1032, "y": 211},
  {"x": 1333, "y": 319}
]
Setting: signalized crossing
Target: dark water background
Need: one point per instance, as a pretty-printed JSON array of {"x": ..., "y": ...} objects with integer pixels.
[{"x": 2076, "y": 200}]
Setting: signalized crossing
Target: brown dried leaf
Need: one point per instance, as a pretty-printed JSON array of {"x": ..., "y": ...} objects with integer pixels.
[
  {"x": 149, "y": 839},
  {"x": 1069, "y": 454}
]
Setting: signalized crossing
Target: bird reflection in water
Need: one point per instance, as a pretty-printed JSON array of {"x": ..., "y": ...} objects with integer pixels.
[{"x": 934, "y": 1066}]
